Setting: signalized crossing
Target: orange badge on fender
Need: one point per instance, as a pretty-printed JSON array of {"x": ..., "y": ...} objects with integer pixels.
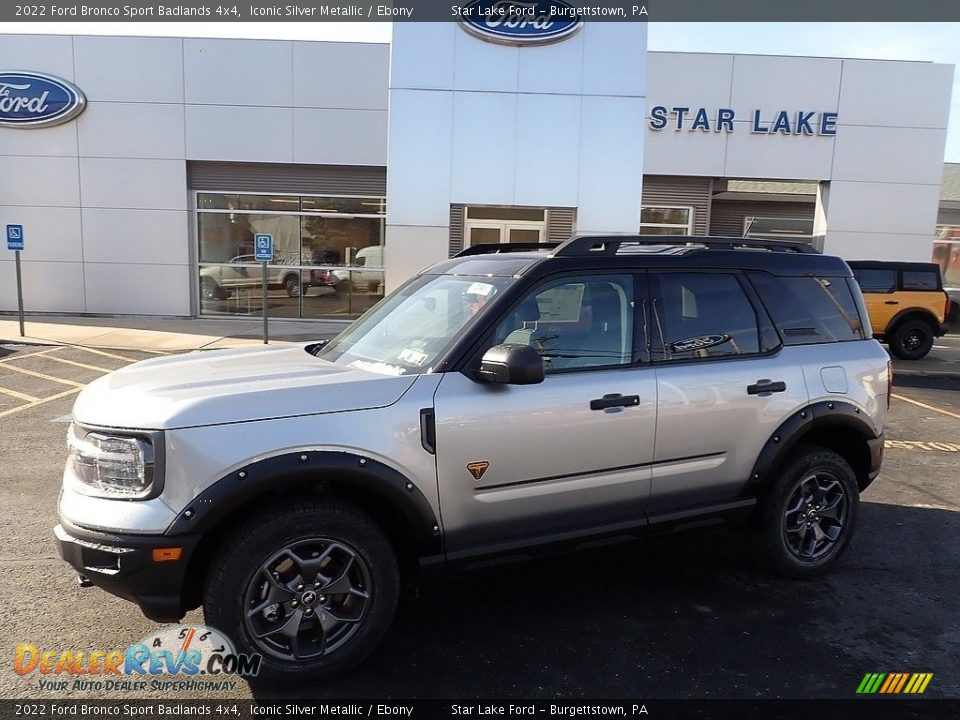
[{"x": 477, "y": 469}]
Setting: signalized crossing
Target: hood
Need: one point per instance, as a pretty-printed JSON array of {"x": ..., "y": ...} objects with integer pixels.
[{"x": 224, "y": 386}]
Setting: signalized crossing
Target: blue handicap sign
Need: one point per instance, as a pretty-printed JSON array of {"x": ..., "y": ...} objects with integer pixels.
[
  {"x": 263, "y": 247},
  {"x": 14, "y": 237}
]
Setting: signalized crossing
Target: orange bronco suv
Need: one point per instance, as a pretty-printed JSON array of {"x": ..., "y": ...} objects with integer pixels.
[{"x": 906, "y": 303}]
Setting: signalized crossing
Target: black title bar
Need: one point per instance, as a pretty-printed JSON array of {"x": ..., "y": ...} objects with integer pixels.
[
  {"x": 118, "y": 707},
  {"x": 446, "y": 11}
]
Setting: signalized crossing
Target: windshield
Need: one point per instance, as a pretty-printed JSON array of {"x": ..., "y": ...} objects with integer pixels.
[{"x": 409, "y": 330}]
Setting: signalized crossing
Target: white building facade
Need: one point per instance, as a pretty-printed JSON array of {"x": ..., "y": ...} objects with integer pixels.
[{"x": 368, "y": 162}]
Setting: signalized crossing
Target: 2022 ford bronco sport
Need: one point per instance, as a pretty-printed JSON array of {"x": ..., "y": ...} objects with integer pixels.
[{"x": 499, "y": 400}]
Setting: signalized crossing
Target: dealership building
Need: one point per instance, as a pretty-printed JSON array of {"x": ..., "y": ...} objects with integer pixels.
[{"x": 366, "y": 162}]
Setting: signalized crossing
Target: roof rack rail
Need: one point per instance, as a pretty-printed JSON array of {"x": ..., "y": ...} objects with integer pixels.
[
  {"x": 610, "y": 244},
  {"x": 496, "y": 248}
]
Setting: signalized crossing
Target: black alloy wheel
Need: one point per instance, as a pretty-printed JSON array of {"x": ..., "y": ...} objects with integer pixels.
[{"x": 307, "y": 599}]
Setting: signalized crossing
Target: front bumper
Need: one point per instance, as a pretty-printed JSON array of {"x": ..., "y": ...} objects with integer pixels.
[{"x": 124, "y": 566}]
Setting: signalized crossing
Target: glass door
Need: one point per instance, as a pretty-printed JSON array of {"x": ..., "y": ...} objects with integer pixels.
[
  {"x": 484, "y": 234},
  {"x": 493, "y": 225}
]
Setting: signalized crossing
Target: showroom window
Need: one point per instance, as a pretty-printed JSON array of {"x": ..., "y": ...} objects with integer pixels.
[
  {"x": 327, "y": 257},
  {"x": 666, "y": 220},
  {"x": 946, "y": 253}
]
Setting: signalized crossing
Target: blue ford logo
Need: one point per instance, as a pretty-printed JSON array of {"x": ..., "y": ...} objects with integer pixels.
[
  {"x": 515, "y": 22},
  {"x": 30, "y": 100}
]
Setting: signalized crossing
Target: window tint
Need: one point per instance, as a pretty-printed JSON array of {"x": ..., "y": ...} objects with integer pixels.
[
  {"x": 705, "y": 315},
  {"x": 920, "y": 280},
  {"x": 809, "y": 309},
  {"x": 576, "y": 322},
  {"x": 876, "y": 280}
]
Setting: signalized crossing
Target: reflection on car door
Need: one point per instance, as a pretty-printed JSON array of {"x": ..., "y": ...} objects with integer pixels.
[
  {"x": 722, "y": 388},
  {"x": 551, "y": 456}
]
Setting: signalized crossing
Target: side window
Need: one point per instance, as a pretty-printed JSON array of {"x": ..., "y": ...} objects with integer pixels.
[
  {"x": 810, "y": 310},
  {"x": 576, "y": 322},
  {"x": 878, "y": 281},
  {"x": 705, "y": 315},
  {"x": 920, "y": 280}
]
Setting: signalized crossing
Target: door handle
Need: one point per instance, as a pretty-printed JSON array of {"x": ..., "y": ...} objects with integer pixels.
[
  {"x": 891, "y": 302},
  {"x": 614, "y": 400},
  {"x": 763, "y": 387}
]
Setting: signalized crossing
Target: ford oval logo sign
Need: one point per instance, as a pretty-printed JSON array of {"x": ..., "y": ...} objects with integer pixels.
[
  {"x": 32, "y": 100},
  {"x": 516, "y": 22}
]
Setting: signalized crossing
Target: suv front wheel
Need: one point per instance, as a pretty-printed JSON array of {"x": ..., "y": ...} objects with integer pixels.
[
  {"x": 809, "y": 517},
  {"x": 311, "y": 587}
]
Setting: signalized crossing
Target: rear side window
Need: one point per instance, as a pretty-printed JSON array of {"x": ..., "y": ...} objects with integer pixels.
[
  {"x": 920, "y": 280},
  {"x": 810, "y": 310},
  {"x": 876, "y": 280},
  {"x": 705, "y": 315}
]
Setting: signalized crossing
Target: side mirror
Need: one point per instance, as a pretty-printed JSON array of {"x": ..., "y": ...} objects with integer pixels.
[{"x": 512, "y": 365}]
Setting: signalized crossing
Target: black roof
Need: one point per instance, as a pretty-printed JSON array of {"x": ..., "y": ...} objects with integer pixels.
[
  {"x": 895, "y": 265},
  {"x": 640, "y": 252}
]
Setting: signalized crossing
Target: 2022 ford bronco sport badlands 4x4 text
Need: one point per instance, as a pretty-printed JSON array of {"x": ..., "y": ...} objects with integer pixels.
[{"x": 499, "y": 400}]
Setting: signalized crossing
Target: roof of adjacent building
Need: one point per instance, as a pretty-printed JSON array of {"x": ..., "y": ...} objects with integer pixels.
[
  {"x": 950, "y": 191},
  {"x": 786, "y": 187}
]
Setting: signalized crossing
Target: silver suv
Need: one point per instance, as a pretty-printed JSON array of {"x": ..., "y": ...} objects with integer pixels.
[{"x": 507, "y": 398}]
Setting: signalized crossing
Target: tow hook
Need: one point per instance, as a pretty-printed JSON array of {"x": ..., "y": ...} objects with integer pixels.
[{"x": 83, "y": 581}]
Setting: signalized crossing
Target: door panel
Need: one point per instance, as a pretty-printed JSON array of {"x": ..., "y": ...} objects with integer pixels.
[
  {"x": 881, "y": 307},
  {"x": 568, "y": 455},
  {"x": 722, "y": 391},
  {"x": 555, "y": 465},
  {"x": 710, "y": 430}
]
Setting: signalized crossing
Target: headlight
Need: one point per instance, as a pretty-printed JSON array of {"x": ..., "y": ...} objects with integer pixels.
[{"x": 105, "y": 465}]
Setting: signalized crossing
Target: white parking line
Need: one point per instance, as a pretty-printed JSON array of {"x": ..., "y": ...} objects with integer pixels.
[
  {"x": 78, "y": 364},
  {"x": 20, "y": 357},
  {"x": 925, "y": 406},
  {"x": 18, "y": 395},
  {"x": 51, "y": 378},
  {"x": 11, "y": 411},
  {"x": 106, "y": 354}
]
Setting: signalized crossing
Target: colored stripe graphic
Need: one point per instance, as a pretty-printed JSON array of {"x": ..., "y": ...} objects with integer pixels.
[
  {"x": 894, "y": 683},
  {"x": 903, "y": 679}
]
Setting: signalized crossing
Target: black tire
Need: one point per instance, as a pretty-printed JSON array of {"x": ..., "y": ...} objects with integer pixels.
[
  {"x": 291, "y": 283},
  {"x": 911, "y": 339},
  {"x": 237, "y": 586},
  {"x": 787, "y": 531}
]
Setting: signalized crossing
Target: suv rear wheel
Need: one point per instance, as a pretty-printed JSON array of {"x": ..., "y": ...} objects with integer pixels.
[
  {"x": 810, "y": 515},
  {"x": 911, "y": 339},
  {"x": 311, "y": 587}
]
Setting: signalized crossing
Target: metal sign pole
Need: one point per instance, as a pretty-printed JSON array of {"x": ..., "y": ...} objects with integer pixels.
[
  {"x": 266, "y": 330},
  {"x": 19, "y": 294}
]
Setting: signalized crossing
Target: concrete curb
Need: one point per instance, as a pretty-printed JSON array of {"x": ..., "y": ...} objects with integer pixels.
[{"x": 950, "y": 374}]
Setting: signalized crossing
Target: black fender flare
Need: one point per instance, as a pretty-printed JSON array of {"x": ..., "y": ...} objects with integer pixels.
[
  {"x": 230, "y": 492},
  {"x": 924, "y": 313},
  {"x": 828, "y": 413}
]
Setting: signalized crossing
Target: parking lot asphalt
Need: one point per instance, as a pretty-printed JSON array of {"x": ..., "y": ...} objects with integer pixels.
[{"x": 696, "y": 615}]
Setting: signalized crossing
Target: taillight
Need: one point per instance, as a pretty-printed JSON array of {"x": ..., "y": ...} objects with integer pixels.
[{"x": 889, "y": 382}]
